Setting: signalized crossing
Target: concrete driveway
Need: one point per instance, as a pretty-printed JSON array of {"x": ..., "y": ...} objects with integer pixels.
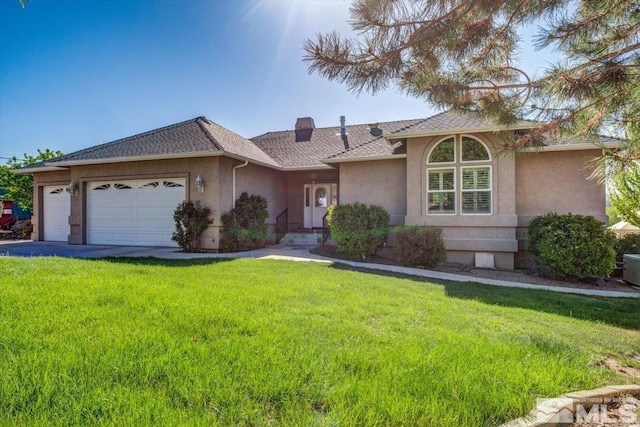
[{"x": 29, "y": 248}]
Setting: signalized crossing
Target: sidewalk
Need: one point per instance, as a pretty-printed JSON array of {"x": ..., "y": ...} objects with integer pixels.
[{"x": 28, "y": 248}]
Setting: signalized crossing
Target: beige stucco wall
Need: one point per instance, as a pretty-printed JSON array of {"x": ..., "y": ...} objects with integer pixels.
[
  {"x": 270, "y": 184},
  {"x": 465, "y": 235},
  {"x": 216, "y": 173},
  {"x": 381, "y": 182},
  {"x": 556, "y": 182}
]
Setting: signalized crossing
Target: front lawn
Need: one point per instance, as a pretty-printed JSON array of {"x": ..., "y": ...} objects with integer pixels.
[{"x": 256, "y": 342}]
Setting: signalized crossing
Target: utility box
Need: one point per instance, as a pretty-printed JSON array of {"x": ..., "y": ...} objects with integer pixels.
[{"x": 631, "y": 269}]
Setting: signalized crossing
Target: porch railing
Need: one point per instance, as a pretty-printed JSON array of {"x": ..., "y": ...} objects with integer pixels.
[
  {"x": 282, "y": 220},
  {"x": 325, "y": 229}
]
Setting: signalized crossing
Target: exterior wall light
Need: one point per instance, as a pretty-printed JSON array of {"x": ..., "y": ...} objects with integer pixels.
[
  {"x": 73, "y": 188},
  {"x": 199, "y": 184}
]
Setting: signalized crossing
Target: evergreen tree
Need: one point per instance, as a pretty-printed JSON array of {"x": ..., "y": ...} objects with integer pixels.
[{"x": 462, "y": 54}]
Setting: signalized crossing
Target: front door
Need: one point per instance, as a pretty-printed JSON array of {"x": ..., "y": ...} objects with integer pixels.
[{"x": 317, "y": 198}]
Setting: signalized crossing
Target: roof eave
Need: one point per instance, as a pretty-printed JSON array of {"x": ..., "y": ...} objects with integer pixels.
[
  {"x": 574, "y": 147},
  {"x": 458, "y": 130},
  {"x": 135, "y": 158},
  {"x": 161, "y": 157},
  {"x": 307, "y": 168},
  {"x": 27, "y": 171},
  {"x": 366, "y": 159}
]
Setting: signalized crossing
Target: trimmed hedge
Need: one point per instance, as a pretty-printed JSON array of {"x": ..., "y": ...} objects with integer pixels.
[
  {"x": 358, "y": 230},
  {"x": 420, "y": 245},
  {"x": 629, "y": 244},
  {"x": 572, "y": 245},
  {"x": 244, "y": 226}
]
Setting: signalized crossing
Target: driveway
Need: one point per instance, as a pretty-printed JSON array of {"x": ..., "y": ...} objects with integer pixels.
[{"x": 29, "y": 248}]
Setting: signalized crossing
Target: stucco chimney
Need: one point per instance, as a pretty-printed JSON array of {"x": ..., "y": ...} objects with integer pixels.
[{"x": 304, "y": 128}]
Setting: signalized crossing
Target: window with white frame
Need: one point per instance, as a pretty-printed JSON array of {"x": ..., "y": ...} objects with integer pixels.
[{"x": 462, "y": 158}]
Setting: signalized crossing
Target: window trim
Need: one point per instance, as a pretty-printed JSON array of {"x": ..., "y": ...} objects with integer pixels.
[
  {"x": 475, "y": 161},
  {"x": 455, "y": 157},
  {"x": 490, "y": 189},
  {"x": 452, "y": 168}
]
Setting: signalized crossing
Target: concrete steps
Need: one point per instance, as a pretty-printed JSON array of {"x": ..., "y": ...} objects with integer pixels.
[{"x": 302, "y": 239}]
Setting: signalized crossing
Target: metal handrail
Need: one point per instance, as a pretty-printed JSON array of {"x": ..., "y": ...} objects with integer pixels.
[
  {"x": 280, "y": 230},
  {"x": 325, "y": 228}
]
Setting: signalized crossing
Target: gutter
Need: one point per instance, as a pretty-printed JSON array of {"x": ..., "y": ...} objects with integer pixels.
[
  {"x": 246, "y": 162},
  {"x": 366, "y": 159},
  {"x": 457, "y": 130}
]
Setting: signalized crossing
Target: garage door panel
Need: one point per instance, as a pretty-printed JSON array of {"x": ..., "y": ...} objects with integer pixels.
[
  {"x": 133, "y": 212},
  {"x": 56, "y": 211}
]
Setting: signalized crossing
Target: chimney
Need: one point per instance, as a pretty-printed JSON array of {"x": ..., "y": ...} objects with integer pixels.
[{"x": 304, "y": 128}]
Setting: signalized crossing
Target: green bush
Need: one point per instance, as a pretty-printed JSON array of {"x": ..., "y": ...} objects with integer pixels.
[
  {"x": 629, "y": 244},
  {"x": 420, "y": 245},
  {"x": 244, "y": 226},
  {"x": 358, "y": 230},
  {"x": 191, "y": 220},
  {"x": 572, "y": 245}
]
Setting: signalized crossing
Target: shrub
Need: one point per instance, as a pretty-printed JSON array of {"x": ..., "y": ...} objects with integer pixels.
[
  {"x": 420, "y": 245},
  {"x": 191, "y": 220},
  {"x": 358, "y": 230},
  {"x": 572, "y": 245},
  {"x": 244, "y": 226},
  {"x": 629, "y": 244}
]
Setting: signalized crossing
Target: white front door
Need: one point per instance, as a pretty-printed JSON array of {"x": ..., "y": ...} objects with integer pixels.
[
  {"x": 56, "y": 211},
  {"x": 317, "y": 198}
]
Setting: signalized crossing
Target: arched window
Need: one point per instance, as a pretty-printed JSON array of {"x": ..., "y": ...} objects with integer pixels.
[{"x": 450, "y": 177}]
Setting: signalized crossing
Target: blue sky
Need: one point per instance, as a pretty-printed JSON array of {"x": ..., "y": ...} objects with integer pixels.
[{"x": 79, "y": 73}]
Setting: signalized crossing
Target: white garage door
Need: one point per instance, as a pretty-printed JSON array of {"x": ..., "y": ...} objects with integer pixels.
[
  {"x": 136, "y": 213},
  {"x": 56, "y": 211}
]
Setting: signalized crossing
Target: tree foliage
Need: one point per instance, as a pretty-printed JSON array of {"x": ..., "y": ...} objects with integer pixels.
[
  {"x": 191, "y": 219},
  {"x": 19, "y": 187},
  {"x": 358, "y": 229},
  {"x": 625, "y": 196},
  {"x": 244, "y": 226},
  {"x": 572, "y": 245},
  {"x": 463, "y": 55}
]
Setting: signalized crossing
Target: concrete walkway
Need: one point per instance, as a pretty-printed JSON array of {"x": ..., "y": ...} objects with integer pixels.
[{"x": 28, "y": 248}]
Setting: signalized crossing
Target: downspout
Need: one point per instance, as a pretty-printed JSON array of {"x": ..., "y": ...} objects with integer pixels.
[{"x": 246, "y": 162}]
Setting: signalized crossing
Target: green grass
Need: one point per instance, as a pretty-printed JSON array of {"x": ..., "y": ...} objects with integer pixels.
[{"x": 255, "y": 342}]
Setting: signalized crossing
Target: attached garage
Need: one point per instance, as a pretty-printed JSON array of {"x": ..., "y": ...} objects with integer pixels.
[
  {"x": 134, "y": 212},
  {"x": 57, "y": 208}
]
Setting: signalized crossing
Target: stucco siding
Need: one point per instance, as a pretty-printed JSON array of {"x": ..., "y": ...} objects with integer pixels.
[
  {"x": 465, "y": 234},
  {"x": 556, "y": 182},
  {"x": 380, "y": 182},
  {"x": 265, "y": 182}
]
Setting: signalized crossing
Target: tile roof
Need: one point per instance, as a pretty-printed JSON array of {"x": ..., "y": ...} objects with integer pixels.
[
  {"x": 191, "y": 137},
  {"x": 289, "y": 149},
  {"x": 449, "y": 121},
  {"x": 326, "y": 143}
]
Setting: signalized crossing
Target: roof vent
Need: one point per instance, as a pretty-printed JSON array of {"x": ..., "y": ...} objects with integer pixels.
[
  {"x": 374, "y": 129},
  {"x": 304, "y": 128}
]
